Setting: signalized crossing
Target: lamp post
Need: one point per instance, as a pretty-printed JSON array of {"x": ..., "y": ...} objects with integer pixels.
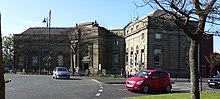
[{"x": 48, "y": 21}]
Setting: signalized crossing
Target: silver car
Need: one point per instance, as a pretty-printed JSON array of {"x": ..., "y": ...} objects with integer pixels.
[{"x": 61, "y": 72}]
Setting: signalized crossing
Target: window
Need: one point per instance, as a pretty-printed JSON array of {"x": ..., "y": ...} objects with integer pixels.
[
  {"x": 116, "y": 59},
  {"x": 163, "y": 75},
  {"x": 137, "y": 26},
  {"x": 156, "y": 74},
  {"x": 142, "y": 36},
  {"x": 158, "y": 56},
  {"x": 35, "y": 61},
  {"x": 131, "y": 58},
  {"x": 126, "y": 58},
  {"x": 142, "y": 57},
  {"x": 136, "y": 58},
  {"x": 116, "y": 43},
  {"x": 60, "y": 60},
  {"x": 158, "y": 36}
]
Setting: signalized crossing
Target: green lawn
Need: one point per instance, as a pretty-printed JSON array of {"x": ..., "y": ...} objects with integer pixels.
[
  {"x": 179, "y": 96},
  {"x": 7, "y": 80}
]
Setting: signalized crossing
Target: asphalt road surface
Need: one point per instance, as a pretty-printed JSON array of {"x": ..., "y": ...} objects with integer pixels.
[{"x": 44, "y": 87}]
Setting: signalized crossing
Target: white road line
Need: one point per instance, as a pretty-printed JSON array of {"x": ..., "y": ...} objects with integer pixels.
[
  {"x": 100, "y": 90},
  {"x": 96, "y": 81},
  {"x": 100, "y": 87},
  {"x": 98, "y": 94}
]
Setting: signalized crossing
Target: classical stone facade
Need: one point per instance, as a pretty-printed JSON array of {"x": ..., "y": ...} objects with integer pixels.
[
  {"x": 33, "y": 54},
  {"x": 154, "y": 42},
  {"x": 147, "y": 43},
  {"x": 99, "y": 50},
  {"x": 152, "y": 45}
]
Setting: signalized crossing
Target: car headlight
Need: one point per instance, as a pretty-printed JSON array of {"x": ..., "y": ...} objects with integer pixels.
[
  {"x": 208, "y": 80},
  {"x": 139, "y": 82}
]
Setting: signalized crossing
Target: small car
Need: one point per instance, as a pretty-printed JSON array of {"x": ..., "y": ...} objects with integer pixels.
[
  {"x": 61, "y": 72},
  {"x": 149, "y": 80},
  {"x": 214, "y": 82}
]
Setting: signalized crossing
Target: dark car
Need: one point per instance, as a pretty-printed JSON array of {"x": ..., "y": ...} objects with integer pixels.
[
  {"x": 6, "y": 70},
  {"x": 214, "y": 82},
  {"x": 149, "y": 80}
]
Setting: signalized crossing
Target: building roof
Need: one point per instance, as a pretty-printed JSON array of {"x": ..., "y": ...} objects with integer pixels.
[
  {"x": 155, "y": 13},
  {"x": 45, "y": 30}
]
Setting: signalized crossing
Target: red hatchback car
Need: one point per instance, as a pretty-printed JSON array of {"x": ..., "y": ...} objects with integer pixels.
[{"x": 149, "y": 80}]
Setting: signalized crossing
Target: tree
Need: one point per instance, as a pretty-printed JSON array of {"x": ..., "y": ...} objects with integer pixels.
[
  {"x": 182, "y": 11},
  {"x": 2, "y": 81},
  {"x": 214, "y": 61},
  {"x": 22, "y": 45},
  {"x": 79, "y": 40},
  {"x": 8, "y": 51}
]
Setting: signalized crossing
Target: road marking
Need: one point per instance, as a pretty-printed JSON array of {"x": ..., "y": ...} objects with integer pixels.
[
  {"x": 100, "y": 87},
  {"x": 98, "y": 94},
  {"x": 100, "y": 90},
  {"x": 96, "y": 81}
]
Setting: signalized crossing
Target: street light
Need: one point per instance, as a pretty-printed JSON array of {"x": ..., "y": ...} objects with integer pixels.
[{"x": 48, "y": 21}]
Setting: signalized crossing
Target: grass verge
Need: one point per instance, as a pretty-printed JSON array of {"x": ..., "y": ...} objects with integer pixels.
[
  {"x": 7, "y": 80},
  {"x": 179, "y": 96}
]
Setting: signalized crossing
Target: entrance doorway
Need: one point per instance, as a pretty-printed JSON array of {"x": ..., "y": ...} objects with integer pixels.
[{"x": 86, "y": 66}]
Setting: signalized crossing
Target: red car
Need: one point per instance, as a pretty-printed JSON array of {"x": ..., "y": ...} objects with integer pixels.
[{"x": 149, "y": 80}]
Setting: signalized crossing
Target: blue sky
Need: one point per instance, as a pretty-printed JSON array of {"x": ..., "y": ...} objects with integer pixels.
[{"x": 19, "y": 15}]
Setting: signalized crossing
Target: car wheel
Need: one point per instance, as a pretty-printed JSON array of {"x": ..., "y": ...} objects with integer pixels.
[
  {"x": 168, "y": 88},
  {"x": 55, "y": 76},
  {"x": 146, "y": 89}
]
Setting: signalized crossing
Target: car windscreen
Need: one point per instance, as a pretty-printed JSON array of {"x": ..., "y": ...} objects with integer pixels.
[
  {"x": 143, "y": 74},
  {"x": 61, "y": 69},
  {"x": 217, "y": 76}
]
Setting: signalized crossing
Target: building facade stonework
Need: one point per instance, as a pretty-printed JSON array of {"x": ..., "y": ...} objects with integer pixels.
[
  {"x": 147, "y": 43},
  {"x": 155, "y": 42}
]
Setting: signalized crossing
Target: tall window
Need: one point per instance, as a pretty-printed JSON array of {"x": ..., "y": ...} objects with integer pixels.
[
  {"x": 60, "y": 60},
  {"x": 35, "y": 61},
  {"x": 136, "y": 58},
  {"x": 131, "y": 58},
  {"x": 116, "y": 59},
  {"x": 158, "y": 56},
  {"x": 142, "y": 36},
  {"x": 126, "y": 58},
  {"x": 142, "y": 57}
]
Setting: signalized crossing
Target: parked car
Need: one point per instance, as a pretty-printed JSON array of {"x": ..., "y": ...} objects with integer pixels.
[
  {"x": 61, "y": 72},
  {"x": 149, "y": 80},
  {"x": 6, "y": 70},
  {"x": 215, "y": 81}
]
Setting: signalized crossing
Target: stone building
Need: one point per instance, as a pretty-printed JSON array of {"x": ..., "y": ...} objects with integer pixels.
[
  {"x": 99, "y": 50},
  {"x": 151, "y": 42},
  {"x": 154, "y": 42},
  {"x": 34, "y": 53}
]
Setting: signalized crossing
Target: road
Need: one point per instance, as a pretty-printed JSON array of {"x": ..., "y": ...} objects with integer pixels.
[{"x": 44, "y": 87}]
